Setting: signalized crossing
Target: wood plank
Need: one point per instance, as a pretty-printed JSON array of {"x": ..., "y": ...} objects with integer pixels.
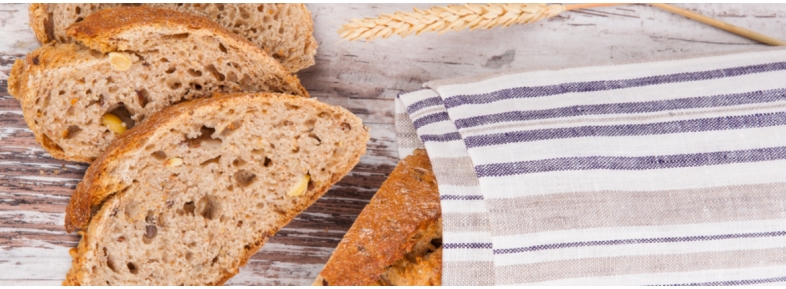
[{"x": 364, "y": 78}]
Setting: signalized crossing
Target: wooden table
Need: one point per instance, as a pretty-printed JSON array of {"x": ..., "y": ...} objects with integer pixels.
[{"x": 363, "y": 77}]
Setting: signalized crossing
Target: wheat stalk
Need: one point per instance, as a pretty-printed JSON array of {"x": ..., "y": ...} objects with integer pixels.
[{"x": 451, "y": 17}]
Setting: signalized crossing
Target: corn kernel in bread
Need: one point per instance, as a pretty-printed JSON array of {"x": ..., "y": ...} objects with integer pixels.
[{"x": 189, "y": 195}]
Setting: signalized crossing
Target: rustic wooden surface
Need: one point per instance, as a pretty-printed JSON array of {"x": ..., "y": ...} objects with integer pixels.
[{"x": 364, "y": 77}]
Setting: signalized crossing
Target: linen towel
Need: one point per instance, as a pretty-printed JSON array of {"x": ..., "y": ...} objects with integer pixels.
[{"x": 669, "y": 172}]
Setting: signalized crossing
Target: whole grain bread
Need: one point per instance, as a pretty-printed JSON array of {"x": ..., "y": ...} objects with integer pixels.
[
  {"x": 284, "y": 31},
  {"x": 130, "y": 63},
  {"x": 397, "y": 239},
  {"x": 188, "y": 196}
]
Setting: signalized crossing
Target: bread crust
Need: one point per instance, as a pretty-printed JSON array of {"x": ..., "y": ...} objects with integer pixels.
[
  {"x": 407, "y": 203},
  {"x": 294, "y": 58},
  {"x": 98, "y": 30},
  {"x": 39, "y": 18}
]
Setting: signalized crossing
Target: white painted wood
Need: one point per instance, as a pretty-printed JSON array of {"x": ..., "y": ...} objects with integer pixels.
[{"x": 364, "y": 77}]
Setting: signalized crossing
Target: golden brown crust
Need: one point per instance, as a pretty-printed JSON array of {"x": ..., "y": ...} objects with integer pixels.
[
  {"x": 407, "y": 203},
  {"x": 97, "y": 30},
  {"x": 41, "y": 22}
]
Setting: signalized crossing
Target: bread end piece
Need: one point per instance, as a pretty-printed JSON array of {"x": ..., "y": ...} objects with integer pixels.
[
  {"x": 397, "y": 234},
  {"x": 41, "y": 22}
]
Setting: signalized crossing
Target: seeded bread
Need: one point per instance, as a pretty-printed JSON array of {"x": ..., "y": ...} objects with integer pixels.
[
  {"x": 188, "y": 196},
  {"x": 130, "y": 63},
  {"x": 397, "y": 239},
  {"x": 284, "y": 31}
]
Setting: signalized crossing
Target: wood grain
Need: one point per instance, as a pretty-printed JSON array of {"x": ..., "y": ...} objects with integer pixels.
[{"x": 365, "y": 78}]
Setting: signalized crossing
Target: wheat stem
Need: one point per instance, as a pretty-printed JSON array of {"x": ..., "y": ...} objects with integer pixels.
[
  {"x": 446, "y": 18},
  {"x": 722, "y": 25}
]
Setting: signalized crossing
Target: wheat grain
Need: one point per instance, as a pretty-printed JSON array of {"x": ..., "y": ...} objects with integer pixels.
[{"x": 447, "y": 18}]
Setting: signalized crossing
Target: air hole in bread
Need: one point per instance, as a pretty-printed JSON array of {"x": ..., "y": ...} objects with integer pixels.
[
  {"x": 204, "y": 139},
  {"x": 78, "y": 10},
  {"x": 72, "y": 131},
  {"x": 437, "y": 242},
  {"x": 189, "y": 207},
  {"x": 171, "y": 70},
  {"x": 244, "y": 178},
  {"x": 220, "y": 7},
  {"x": 194, "y": 73},
  {"x": 189, "y": 255},
  {"x": 345, "y": 126},
  {"x": 239, "y": 224},
  {"x": 246, "y": 82},
  {"x": 257, "y": 152},
  {"x": 163, "y": 60},
  {"x": 132, "y": 268},
  {"x": 131, "y": 210},
  {"x": 112, "y": 89},
  {"x": 123, "y": 114},
  {"x": 174, "y": 84},
  {"x": 238, "y": 162},
  {"x": 179, "y": 36},
  {"x": 222, "y": 47},
  {"x": 267, "y": 162},
  {"x": 108, "y": 80},
  {"x": 150, "y": 232},
  {"x": 79, "y": 20},
  {"x": 216, "y": 74},
  {"x": 196, "y": 86},
  {"x": 231, "y": 127},
  {"x": 214, "y": 160},
  {"x": 315, "y": 137},
  {"x": 208, "y": 207},
  {"x": 159, "y": 155},
  {"x": 143, "y": 97}
]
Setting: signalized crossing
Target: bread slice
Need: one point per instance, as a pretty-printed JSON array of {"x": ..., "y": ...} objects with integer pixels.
[
  {"x": 188, "y": 196},
  {"x": 397, "y": 239},
  {"x": 284, "y": 31},
  {"x": 142, "y": 60}
]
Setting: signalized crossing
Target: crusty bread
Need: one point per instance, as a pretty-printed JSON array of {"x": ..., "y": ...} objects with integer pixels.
[
  {"x": 188, "y": 196},
  {"x": 284, "y": 31},
  {"x": 397, "y": 239},
  {"x": 142, "y": 60}
]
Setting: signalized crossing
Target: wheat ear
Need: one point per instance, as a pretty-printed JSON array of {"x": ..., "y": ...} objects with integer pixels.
[{"x": 442, "y": 19}]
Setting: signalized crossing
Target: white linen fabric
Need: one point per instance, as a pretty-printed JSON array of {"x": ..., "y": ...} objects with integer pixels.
[{"x": 669, "y": 172}]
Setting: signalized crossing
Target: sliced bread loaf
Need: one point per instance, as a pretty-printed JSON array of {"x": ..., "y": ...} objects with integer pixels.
[
  {"x": 284, "y": 31},
  {"x": 188, "y": 196},
  {"x": 397, "y": 239},
  {"x": 76, "y": 100}
]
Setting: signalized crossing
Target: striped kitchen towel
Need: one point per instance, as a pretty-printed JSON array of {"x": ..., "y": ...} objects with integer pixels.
[{"x": 670, "y": 172}]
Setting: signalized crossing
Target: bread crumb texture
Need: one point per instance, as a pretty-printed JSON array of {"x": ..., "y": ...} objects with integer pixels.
[
  {"x": 160, "y": 57},
  {"x": 201, "y": 186},
  {"x": 284, "y": 31}
]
